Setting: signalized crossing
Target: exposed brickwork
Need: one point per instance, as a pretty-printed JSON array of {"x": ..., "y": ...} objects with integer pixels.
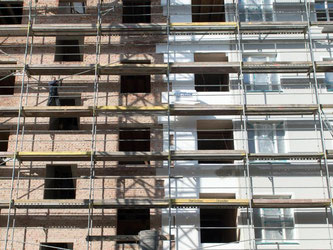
[{"x": 35, "y": 226}]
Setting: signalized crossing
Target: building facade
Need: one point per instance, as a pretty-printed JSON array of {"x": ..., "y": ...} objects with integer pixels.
[{"x": 208, "y": 121}]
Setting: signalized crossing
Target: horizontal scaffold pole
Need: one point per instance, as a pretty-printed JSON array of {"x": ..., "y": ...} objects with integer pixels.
[
  {"x": 212, "y": 155},
  {"x": 164, "y": 203}
]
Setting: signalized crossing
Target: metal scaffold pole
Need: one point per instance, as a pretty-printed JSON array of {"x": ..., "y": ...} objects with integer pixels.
[
  {"x": 248, "y": 182},
  {"x": 94, "y": 124},
  {"x": 18, "y": 128},
  {"x": 169, "y": 124},
  {"x": 319, "y": 107}
]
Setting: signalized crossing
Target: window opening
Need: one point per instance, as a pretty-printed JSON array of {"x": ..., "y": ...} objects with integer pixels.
[
  {"x": 211, "y": 82},
  {"x": 134, "y": 139},
  {"x": 65, "y": 123},
  {"x": 266, "y": 137},
  {"x": 68, "y": 50},
  {"x": 218, "y": 225},
  {"x": 215, "y": 135},
  {"x": 7, "y": 85},
  {"x": 59, "y": 182},
  {"x": 261, "y": 82},
  {"x": 208, "y": 11},
  {"x": 51, "y": 246},
  {"x": 136, "y": 11},
  {"x": 324, "y": 11},
  {"x": 273, "y": 224},
  {"x": 135, "y": 83},
  {"x": 256, "y": 10},
  {"x": 132, "y": 221},
  {"x": 11, "y": 13},
  {"x": 71, "y": 7}
]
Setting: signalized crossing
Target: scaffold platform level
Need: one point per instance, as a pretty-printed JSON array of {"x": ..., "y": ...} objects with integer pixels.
[
  {"x": 159, "y": 28},
  {"x": 212, "y": 155},
  {"x": 175, "y": 68},
  {"x": 175, "y": 110},
  {"x": 164, "y": 203}
]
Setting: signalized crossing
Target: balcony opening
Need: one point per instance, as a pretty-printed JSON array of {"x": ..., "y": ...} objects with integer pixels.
[
  {"x": 208, "y": 11},
  {"x": 135, "y": 83},
  {"x": 66, "y": 123},
  {"x": 69, "y": 50},
  {"x": 218, "y": 225},
  {"x": 211, "y": 82},
  {"x": 72, "y": 7},
  {"x": 11, "y": 13},
  {"x": 7, "y": 85},
  {"x": 52, "y": 246},
  {"x": 132, "y": 221},
  {"x": 134, "y": 139},
  {"x": 59, "y": 182},
  {"x": 215, "y": 135},
  {"x": 136, "y": 11}
]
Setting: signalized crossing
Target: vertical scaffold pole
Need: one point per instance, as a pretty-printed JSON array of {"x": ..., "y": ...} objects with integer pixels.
[
  {"x": 10, "y": 208},
  {"x": 169, "y": 124},
  {"x": 32, "y": 20},
  {"x": 94, "y": 124},
  {"x": 318, "y": 102},
  {"x": 248, "y": 182}
]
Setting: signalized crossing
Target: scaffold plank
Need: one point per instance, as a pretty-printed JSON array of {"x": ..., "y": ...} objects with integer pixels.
[
  {"x": 175, "y": 110},
  {"x": 132, "y": 156},
  {"x": 164, "y": 203},
  {"x": 290, "y": 203},
  {"x": 156, "y": 28},
  {"x": 175, "y": 68}
]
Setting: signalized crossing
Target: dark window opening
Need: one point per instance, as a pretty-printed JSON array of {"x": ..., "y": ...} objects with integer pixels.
[
  {"x": 59, "y": 182},
  {"x": 135, "y": 84},
  {"x": 65, "y": 123},
  {"x": 215, "y": 140},
  {"x": 51, "y": 246},
  {"x": 134, "y": 139},
  {"x": 71, "y": 7},
  {"x": 68, "y": 51},
  {"x": 136, "y": 11},
  {"x": 211, "y": 82},
  {"x": 7, "y": 85},
  {"x": 208, "y": 11},
  {"x": 4, "y": 137},
  {"x": 215, "y": 135},
  {"x": 132, "y": 221},
  {"x": 11, "y": 13},
  {"x": 218, "y": 219}
]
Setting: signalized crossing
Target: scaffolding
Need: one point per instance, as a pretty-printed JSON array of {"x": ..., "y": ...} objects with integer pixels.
[{"x": 241, "y": 162}]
